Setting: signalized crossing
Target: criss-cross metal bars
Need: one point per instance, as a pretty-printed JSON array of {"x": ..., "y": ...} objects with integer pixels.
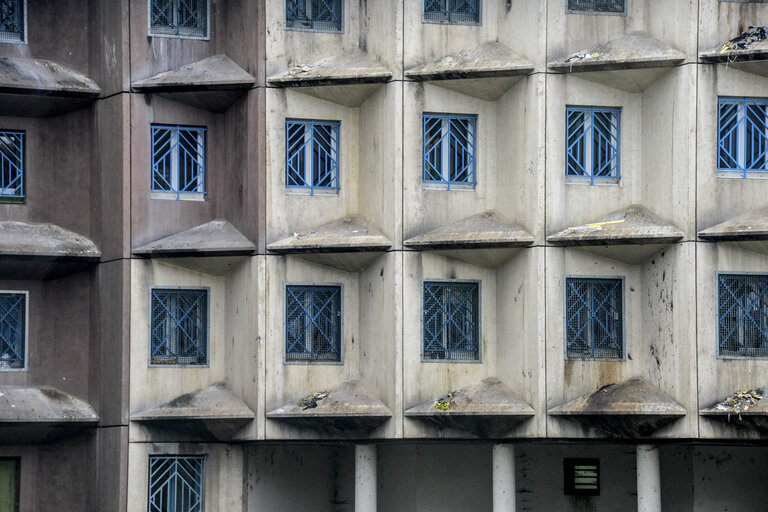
[
  {"x": 594, "y": 318},
  {"x": 12, "y": 164},
  {"x": 449, "y": 149},
  {"x": 185, "y": 18},
  {"x": 13, "y": 320},
  {"x": 320, "y": 15},
  {"x": 312, "y": 155},
  {"x": 465, "y": 12},
  {"x": 451, "y": 321},
  {"x": 313, "y": 317},
  {"x": 178, "y": 159},
  {"x": 175, "y": 483},
  {"x": 179, "y": 327},
  {"x": 592, "y": 142},
  {"x": 742, "y": 128},
  {"x": 742, "y": 315}
]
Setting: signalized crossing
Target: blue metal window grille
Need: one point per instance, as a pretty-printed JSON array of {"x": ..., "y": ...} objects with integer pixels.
[
  {"x": 596, "y": 6},
  {"x": 594, "y": 318},
  {"x": 178, "y": 160},
  {"x": 175, "y": 483},
  {"x": 449, "y": 149},
  {"x": 179, "y": 331},
  {"x": 742, "y": 129},
  {"x": 13, "y": 330},
  {"x": 592, "y": 143},
  {"x": 742, "y": 315},
  {"x": 451, "y": 321},
  {"x": 319, "y": 15},
  {"x": 312, "y": 155},
  {"x": 13, "y": 19},
  {"x": 459, "y": 12},
  {"x": 313, "y": 323},
  {"x": 11, "y": 164},
  {"x": 184, "y": 18}
]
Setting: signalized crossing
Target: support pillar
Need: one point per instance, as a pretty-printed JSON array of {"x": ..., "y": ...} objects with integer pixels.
[
  {"x": 365, "y": 478},
  {"x": 648, "y": 479},
  {"x": 504, "y": 490}
]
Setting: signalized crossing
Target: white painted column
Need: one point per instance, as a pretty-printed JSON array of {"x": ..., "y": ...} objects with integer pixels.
[
  {"x": 648, "y": 479},
  {"x": 365, "y": 478},
  {"x": 504, "y": 490}
]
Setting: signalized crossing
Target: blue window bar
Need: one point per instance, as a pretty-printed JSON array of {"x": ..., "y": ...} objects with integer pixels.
[
  {"x": 313, "y": 317},
  {"x": 175, "y": 483},
  {"x": 179, "y": 328},
  {"x": 182, "y": 18},
  {"x": 13, "y": 21},
  {"x": 449, "y": 150},
  {"x": 178, "y": 161},
  {"x": 592, "y": 145},
  {"x": 11, "y": 165},
  {"x": 451, "y": 321},
  {"x": 596, "y": 7},
  {"x": 13, "y": 330},
  {"x": 312, "y": 155},
  {"x": 454, "y": 12},
  {"x": 317, "y": 15},
  {"x": 594, "y": 318},
  {"x": 742, "y": 128},
  {"x": 742, "y": 315}
]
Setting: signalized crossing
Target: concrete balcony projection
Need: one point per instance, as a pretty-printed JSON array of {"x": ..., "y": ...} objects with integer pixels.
[
  {"x": 745, "y": 52},
  {"x": 746, "y": 231},
  {"x": 754, "y": 417}
]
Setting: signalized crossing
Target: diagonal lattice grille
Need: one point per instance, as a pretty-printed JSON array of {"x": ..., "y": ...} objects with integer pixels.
[
  {"x": 596, "y": 6},
  {"x": 175, "y": 484},
  {"x": 321, "y": 15},
  {"x": 12, "y": 18},
  {"x": 742, "y": 129},
  {"x": 594, "y": 318},
  {"x": 179, "y": 331},
  {"x": 313, "y": 323},
  {"x": 312, "y": 159},
  {"x": 451, "y": 321},
  {"x": 11, "y": 164},
  {"x": 449, "y": 149},
  {"x": 178, "y": 160},
  {"x": 592, "y": 142},
  {"x": 185, "y": 18},
  {"x": 465, "y": 12},
  {"x": 742, "y": 316},
  {"x": 13, "y": 319}
]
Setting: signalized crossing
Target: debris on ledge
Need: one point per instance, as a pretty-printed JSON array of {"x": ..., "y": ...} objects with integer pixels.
[
  {"x": 751, "y": 44},
  {"x": 350, "y": 234},
  {"x": 749, "y": 406},
  {"x": 740, "y": 402}
]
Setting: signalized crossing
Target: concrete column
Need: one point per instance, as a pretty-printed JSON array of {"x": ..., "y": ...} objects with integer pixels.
[
  {"x": 504, "y": 490},
  {"x": 365, "y": 478},
  {"x": 648, "y": 479}
]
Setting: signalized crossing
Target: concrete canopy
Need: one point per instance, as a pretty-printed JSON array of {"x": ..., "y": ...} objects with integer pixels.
[
  {"x": 215, "y": 238},
  {"x": 213, "y": 83},
  {"x": 42, "y": 88},
  {"x": 633, "y": 408},
  {"x": 487, "y": 409},
  {"x": 756, "y": 417},
  {"x": 348, "y": 410},
  {"x": 750, "y": 226},
  {"x": 751, "y": 59}
]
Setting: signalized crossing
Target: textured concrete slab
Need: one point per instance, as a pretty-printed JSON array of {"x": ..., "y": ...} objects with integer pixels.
[
  {"x": 350, "y": 234},
  {"x": 750, "y": 226},
  {"x": 746, "y": 52},
  {"x": 348, "y": 67},
  {"x": 632, "y": 409},
  {"x": 215, "y": 238},
  {"x": 487, "y": 409},
  {"x": 488, "y": 229},
  {"x": 755, "y": 417},
  {"x": 350, "y": 409}
]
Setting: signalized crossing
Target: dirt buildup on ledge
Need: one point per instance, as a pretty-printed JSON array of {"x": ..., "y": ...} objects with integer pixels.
[
  {"x": 310, "y": 401},
  {"x": 446, "y": 403},
  {"x": 740, "y": 401},
  {"x": 742, "y": 42}
]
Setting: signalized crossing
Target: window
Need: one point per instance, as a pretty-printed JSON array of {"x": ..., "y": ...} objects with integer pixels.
[
  {"x": 9, "y": 484},
  {"x": 742, "y": 128},
  {"x": 182, "y": 18},
  {"x": 742, "y": 315},
  {"x": 175, "y": 483},
  {"x": 449, "y": 150},
  {"x": 451, "y": 321},
  {"x": 454, "y": 12},
  {"x": 179, "y": 327},
  {"x": 13, "y": 330},
  {"x": 11, "y": 165},
  {"x": 13, "y": 21},
  {"x": 317, "y": 15},
  {"x": 312, "y": 155},
  {"x": 596, "y": 7},
  {"x": 594, "y": 318},
  {"x": 592, "y": 145},
  {"x": 581, "y": 477},
  {"x": 313, "y": 323},
  {"x": 178, "y": 162}
]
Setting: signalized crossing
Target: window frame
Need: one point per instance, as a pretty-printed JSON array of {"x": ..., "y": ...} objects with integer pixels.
[
  {"x": 479, "y": 358},
  {"x": 201, "y": 457},
  {"x": 206, "y": 37},
  {"x": 24, "y": 38},
  {"x": 740, "y": 171},
  {"x": 208, "y": 344},
  {"x": 309, "y": 171},
  {"x": 478, "y": 23},
  {"x": 25, "y": 293},
  {"x": 568, "y": 10},
  {"x": 341, "y": 29},
  {"x": 589, "y": 140},
  {"x": 624, "y": 317},
  {"x": 445, "y": 152},
  {"x": 310, "y": 361},
  {"x": 17, "y": 199},
  {"x": 717, "y": 315},
  {"x": 176, "y": 194}
]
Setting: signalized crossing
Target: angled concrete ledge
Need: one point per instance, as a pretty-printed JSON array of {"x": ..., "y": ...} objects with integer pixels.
[
  {"x": 213, "y": 83},
  {"x": 750, "y": 226},
  {"x": 42, "y": 88},
  {"x": 216, "y": 238},
  {"x": 746, "y": 52},
  {"x": 755, "y": 417},
  {"x": 632, "y": 409},
  {"x": 486, "y": 409},
  {"x": 348, "y": 410}
]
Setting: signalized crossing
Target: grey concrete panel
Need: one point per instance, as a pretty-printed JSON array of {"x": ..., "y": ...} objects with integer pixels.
[{"x": 215, "y": 238}]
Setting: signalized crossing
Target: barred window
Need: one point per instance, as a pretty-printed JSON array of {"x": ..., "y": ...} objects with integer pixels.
[
  {"x": 312, "y": 155},
  {"x": 317, "y": 15},
  {"x": 454, "y": 12},
  {"x": 592, "y": 145},
  {"x": 11, "y": 165},
  {"x": 313, "y": 317},
  {"x": 182, "y": 18},
  {"x": 178, "y": 162},
  {"x": 742, "y": 127},
  {"x": 175, "y": 483},
  {"x": 596, "y": 7},
  {"x": 742, "y": 315},
  {"x": 451, "y": 321},
  {"x": 13, "y": 330},
  {"x": 449, "y": 150},
  {"x": 13, "y": 21},
  {"x": 594, "y": 318},
  {"x": 179, "y": 329}
]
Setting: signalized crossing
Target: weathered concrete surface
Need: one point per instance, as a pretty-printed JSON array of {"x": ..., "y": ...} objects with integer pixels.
[
  {"x": 215, "y": 238},
  {"x": 752, "y": 225},
  {"x": 748, "y": 57},
  {"x": 487, "y": 409},
  {"x": 756, "y": 417},
  {"x": 349, "y": 410},
  {"x": 632, "y": 409},
  {"x": 350, "y": 234},
  {"x": 485, "y": 230}
]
